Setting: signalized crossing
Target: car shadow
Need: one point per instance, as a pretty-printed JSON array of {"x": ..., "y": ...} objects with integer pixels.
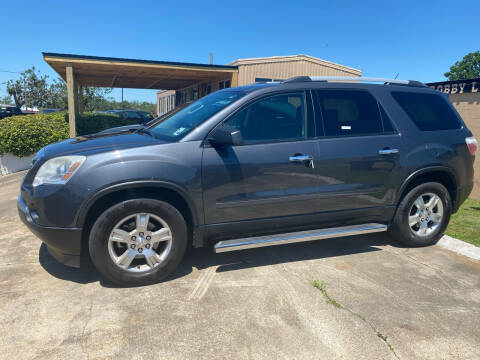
[{"x": 203, "y": 258}]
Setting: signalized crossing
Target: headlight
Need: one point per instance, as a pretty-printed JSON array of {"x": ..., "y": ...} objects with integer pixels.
[{"x": 58, "y": 170}]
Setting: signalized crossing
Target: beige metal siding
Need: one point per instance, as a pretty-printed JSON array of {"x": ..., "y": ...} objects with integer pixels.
[
  {"x": 165, "y": 101},
  {"x": 283, "y": 67}
]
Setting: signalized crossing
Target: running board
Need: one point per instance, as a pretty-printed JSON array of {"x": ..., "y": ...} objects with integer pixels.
[{"x": 293, "y": 237}]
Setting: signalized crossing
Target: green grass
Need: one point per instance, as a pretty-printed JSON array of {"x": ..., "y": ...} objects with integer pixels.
[
  {"x": 465, "y": 224},
  {"x": 320, "y": 285}
]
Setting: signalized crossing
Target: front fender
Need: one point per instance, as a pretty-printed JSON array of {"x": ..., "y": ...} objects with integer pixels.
[
  {"x": 175, "y": 166},
  {"x": 88, "y": 203}
]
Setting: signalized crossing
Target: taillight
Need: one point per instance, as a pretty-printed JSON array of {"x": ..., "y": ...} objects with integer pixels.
[{"x": 472, "y": 145}]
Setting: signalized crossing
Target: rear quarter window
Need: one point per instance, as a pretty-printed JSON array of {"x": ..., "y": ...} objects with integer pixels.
[
  {"x": 429, "y": 112},
  {"x": 349, "y": 113}
]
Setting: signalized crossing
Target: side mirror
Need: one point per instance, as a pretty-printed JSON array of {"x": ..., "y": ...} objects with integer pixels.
[{"x": 226, "y": 136}]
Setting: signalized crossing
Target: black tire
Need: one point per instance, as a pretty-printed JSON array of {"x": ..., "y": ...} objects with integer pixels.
[
  {"x": 400, "y": 228},
  {"x": 100, "y": 232}
]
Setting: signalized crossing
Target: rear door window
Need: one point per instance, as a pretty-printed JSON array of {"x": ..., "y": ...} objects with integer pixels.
[
  {"x": 429, "y": 112},
  {"x": 349, "y": 113}
]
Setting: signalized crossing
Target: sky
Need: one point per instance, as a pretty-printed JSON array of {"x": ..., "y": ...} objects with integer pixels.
[{"x": 418, "y": 39}]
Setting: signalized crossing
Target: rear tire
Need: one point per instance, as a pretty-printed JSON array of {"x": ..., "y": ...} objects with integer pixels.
[
  {"x": 422, "y": 216},
  {"x": 138, "y": 242}
]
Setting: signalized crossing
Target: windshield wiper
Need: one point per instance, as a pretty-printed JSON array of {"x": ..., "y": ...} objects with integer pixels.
[{"x": 145, "y": 131}]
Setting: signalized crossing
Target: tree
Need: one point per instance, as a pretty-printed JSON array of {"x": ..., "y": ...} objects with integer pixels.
[
  {"x": 56, "y": 95},
  {"x": 7, "y": 100},
  {"x": 467, "y": 68},
  {"x": 34, "y": 89},
  {"x": 30, "y": 90},
  {"x": 94, "y": 98}
]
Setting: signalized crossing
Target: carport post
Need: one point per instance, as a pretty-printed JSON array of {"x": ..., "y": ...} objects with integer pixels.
[
  {"x": 80, "y": 99},
  {"x": 234, "y": 82},
  {"x": 71, "y": 99}
]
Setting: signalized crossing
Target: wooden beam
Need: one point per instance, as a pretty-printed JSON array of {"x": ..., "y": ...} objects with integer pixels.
[
  {"x": 234, "y": 82},
  {"x": 80, "y": 99},
  {"x": 72, "y": 99},
  {"x": 113, "y": 80},
  {"x": 154, "y": 83},
  {"x": 111, "y": 63}
]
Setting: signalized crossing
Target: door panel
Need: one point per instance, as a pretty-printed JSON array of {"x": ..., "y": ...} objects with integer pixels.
[
  {"x": 353, "y": 174},
  {"x": 259, "y": 181},
  {"x": 359, "y": 157}
]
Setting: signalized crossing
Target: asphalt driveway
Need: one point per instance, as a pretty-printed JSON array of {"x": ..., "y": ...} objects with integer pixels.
[{"x": 373, "y": 299}]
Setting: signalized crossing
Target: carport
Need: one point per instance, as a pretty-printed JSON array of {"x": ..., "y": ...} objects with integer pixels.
[{"x": 82, "y": 70}]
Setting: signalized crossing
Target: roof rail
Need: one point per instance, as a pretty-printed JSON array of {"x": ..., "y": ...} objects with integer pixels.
[{"x": 356, "y": 79}]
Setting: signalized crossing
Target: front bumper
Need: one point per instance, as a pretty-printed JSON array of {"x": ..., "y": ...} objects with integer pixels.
[{"x": 64, "y": 244}]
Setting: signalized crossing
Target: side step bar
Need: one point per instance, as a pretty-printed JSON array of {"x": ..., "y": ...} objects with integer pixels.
[{"x": 293, "y": 237}]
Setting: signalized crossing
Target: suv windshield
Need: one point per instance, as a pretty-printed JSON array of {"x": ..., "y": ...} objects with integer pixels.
[{"x": 182, "y": 122}]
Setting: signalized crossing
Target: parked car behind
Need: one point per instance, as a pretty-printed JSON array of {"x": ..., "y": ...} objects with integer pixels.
[
  {"x": 136, "y": 127},
  {"x": 266, "y": 164},
  {"x": 9, "y": 110},
  {"x": 48, "y": 111},
  {"x": 139, "y": 116}
]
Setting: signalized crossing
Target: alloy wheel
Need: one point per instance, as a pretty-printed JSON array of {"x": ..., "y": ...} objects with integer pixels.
[
  {"x": 425, "y": 214},
  {"x": 140, "y": 242}
]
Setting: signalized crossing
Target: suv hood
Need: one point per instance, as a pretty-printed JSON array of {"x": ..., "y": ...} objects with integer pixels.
[{"x": 91, "y": 144}]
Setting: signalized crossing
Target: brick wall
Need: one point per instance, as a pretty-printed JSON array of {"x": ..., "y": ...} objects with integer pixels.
[{"x": 468, "y": 105}]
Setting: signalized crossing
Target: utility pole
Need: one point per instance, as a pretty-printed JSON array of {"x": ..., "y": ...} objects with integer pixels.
[
  {"x": 211, "y": 58},
  {"x": 25, "y": 92}
]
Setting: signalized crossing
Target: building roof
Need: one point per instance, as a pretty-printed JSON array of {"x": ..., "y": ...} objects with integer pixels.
[
  {"x": 276, "y": 59},
  {"x": 135, "y": 73}
]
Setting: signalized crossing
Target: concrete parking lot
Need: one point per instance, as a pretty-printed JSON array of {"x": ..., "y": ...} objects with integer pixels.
[{"x": 373, "y": 299}]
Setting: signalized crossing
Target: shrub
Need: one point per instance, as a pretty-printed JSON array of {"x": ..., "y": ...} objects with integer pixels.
[{"x": 24, "y": 135}]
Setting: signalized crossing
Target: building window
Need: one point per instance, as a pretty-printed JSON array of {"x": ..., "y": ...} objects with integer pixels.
[{"x": 224, "y": 84}]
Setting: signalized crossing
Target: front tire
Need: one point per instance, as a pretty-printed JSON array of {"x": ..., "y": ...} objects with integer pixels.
[
  {"x": 138, "y": 241},
  {"x": 422, "y": 216}
]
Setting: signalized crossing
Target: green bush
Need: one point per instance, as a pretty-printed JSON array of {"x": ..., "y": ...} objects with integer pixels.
[{"x": 24, "y": 135}]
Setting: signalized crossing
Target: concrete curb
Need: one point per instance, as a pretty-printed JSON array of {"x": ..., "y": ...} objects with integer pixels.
[
  {"x": 10, "y": 164},
  {"x": 460, "y": 247}
]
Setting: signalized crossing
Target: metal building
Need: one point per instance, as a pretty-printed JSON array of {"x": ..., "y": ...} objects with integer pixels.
[
  {"x": 283, "y": 67},
  {"x": 253, "y": 70}
]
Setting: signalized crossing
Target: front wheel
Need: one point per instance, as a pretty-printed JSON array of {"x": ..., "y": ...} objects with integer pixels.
[
  {"x": 138, "y": 241},
  {"x": 423, "y": 215}
]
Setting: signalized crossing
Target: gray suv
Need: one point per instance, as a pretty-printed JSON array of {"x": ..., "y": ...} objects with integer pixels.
[{"x": 266, "y": 164}]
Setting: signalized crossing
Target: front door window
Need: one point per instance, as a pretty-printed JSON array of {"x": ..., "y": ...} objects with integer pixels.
[{"x": 276, "y": 118}]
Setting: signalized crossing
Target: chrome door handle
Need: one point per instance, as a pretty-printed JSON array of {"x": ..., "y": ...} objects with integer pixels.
[
  {"x": 388, "y": 151},
  {"x": 300, "y": 158}
]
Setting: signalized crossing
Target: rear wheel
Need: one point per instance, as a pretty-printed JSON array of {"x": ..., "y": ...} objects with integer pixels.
[
  {"x": 138, "y": 241},
  {"x": 423, "y": 215}
]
